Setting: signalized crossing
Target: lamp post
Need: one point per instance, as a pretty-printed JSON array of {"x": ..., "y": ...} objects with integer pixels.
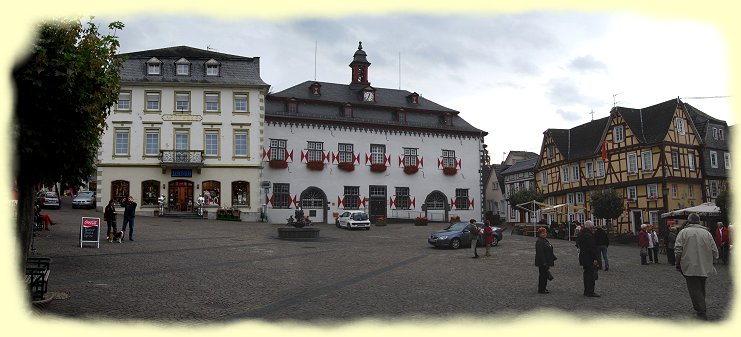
[{"x": 665, "y": 194}]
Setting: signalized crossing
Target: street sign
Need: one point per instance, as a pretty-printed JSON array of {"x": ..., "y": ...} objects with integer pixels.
[{"x": 90, "y": 231}]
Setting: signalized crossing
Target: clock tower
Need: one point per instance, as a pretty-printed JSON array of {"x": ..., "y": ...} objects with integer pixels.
[{"x": 359, "y": 66}]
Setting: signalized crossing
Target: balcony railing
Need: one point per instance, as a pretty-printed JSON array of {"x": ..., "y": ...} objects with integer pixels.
[{"x": 181, "y": 159}]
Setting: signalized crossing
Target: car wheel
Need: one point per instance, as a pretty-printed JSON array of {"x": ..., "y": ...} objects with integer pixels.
[
  {"x": 455, "y": 243},
  {"x": 494, "y": 241}
]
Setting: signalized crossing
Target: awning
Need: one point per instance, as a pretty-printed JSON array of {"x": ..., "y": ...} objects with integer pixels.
[{"x": 708, "y": 209}]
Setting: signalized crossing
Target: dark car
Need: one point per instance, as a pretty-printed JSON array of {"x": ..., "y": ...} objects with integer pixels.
[
  {"x": 458, "y": 235},
  {"x": 85, "y": 199},
  {"x": 49, "y": 200}
]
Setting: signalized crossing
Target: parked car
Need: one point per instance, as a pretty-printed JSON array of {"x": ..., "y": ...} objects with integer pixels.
[
  {"x": 49, "y": 200},
  {"x": 458, "y": 234},
  {"x": 85, "y": 199},
  {"x": 353, "y": 219}
]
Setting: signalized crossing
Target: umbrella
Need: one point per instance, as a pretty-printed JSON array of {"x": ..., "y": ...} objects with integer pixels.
[{"x": 707, "y": 209}]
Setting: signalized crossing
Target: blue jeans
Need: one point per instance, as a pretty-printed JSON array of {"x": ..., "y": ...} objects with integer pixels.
[
  {"x": 603, "y": 254},
  {"x": 128, "y": 220}
]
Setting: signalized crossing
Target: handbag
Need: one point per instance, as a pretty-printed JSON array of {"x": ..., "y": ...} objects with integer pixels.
[
  {"x": 644, "y": 251},
  {"x": 596, "y": 275},
  {"x": 550, "y": 276}
]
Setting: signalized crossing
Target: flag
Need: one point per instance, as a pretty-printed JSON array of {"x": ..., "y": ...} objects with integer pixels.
[{"x": 604, "y": 151}]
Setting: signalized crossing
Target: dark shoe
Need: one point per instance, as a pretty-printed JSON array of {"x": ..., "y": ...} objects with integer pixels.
[
  {"x": 592, "y": 295},
  {"x": 130, "y": 239},
  {"x": 701, "y": 316},
  {"x": 607, "y": 268},
  {"x": 543, "y": 291},
  {"x": 475, "y": 257},
  {"x": 644, "y": 263}
]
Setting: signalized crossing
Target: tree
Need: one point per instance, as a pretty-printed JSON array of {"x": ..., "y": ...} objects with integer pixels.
[
  {"x": 606, "y": 204},
  {"x": 521, "y": 196},
  {"x": 64, "y": 90},
  {"x": 723, "y": 201}
]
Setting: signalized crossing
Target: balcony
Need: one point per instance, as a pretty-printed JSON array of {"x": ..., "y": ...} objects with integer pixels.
[{"x": 181, "y": 159}]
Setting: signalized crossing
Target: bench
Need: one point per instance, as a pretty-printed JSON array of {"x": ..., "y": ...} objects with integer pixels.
[{"x": 37, "y": 276}]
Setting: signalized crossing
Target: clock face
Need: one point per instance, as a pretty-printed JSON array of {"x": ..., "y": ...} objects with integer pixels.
[{"x": 368, "y": 95}]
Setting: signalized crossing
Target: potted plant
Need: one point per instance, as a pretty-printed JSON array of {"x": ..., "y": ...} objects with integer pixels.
[
  {"x": 346, "y": 166},
  {"x": 412, "y": 169},
  {"x": 380, "y": 220},
  {"x": 449, "y": 171},
  {"x": 278, "y": 163},
  {"x": 378, "y": 168},
  {"x": 315, "y": 165},
  {"x": 420, "y": 221},
  {"x": 455, "y": 218}
]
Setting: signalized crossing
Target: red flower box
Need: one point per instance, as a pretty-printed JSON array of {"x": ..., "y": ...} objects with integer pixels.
[
  {"x": 449, "y": 171},
  {"x": 346, "y": 166},
  {"x": 410, "y": 169},
  {"x": 420, "y": 221},
  {"x": 455, "y": 218},
  {"x": 378, "y": 168},
  {"x": 278, "y": 164},
  {"x": 315, "y": 165}
]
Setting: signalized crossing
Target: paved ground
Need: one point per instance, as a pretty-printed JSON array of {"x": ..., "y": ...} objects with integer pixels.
[{"x": 203, "y": 271}]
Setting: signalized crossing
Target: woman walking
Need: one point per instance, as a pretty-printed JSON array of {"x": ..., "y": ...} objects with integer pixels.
[
  {"x": 544, "y": 259},
  {"x": 109, "y": 215}
]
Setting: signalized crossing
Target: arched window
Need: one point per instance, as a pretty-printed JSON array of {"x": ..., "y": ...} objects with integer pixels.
[
  {"x": 436, "y": 201},
  {"x": 119, "y": 190},
  {"x": 313, "y": 197},
  {"x": 240, "y": 193},
  {"x": 150, "y": 192},
  {"x": 211, "y": 192}
]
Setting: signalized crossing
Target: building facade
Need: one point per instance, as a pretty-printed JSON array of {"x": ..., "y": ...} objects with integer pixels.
[
  {"x": 188, "y": 123},
  {"x": 715, "y": 154},
  {"x": 519, "y": 176},
  {"x": 333, "y": 147}
]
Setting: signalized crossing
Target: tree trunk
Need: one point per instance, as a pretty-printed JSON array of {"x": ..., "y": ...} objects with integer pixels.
[{"x": 24, "y": 221}]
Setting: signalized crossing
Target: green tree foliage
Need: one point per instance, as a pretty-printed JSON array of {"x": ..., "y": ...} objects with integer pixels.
[
  {"x": 723, "y": 201},
  {"x": 64, "y": 90},
  {"x": 525, "y": 195},
  {"x": 606, "y": 204}
]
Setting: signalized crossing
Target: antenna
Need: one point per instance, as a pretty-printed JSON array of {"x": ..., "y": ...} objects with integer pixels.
[
  {"x": 614, "y": 102},
  {"x": 209, "y": 48}
]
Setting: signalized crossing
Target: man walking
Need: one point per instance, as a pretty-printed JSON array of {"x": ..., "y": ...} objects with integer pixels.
[
  {"x": 474, "y": 232},
  {"x": 695, "y": 250},
  {"x": 602, "y": 240},
  {"x": 588, "y": 256},
  {"x": 129, "y": 214}
]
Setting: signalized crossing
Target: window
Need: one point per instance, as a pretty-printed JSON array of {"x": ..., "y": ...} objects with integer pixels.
[
  {"x": 182, "y": 102},
  {"x": 150, "y": 192},
  {"x": 461, "y": 198},
  {"x": 715, "y": 133},
  {"x": 240, "y": 102},
  {"x": 401, "y": 116},
  {"x": 183, "y": 69},
  {"x": 211, "y": 102},
  {"x": 292, "y": 105},
  {"x": 727, "y": 160},
  {"x": 690, "y": 191},
  {"x": 182, "y": 140},
  {"x": 124, "y": 101},
  {"x": 410, "y": 156},
  {"x": 119, "y": 191},
  {"x": 551, "y": 200},
  {"x": 352, "y": 197},
  {"x": 151, "y": 142},
  {"x": 579, "y": 198},
  {"x": 600, "y": 168},
  {"x": 589, "y": 170},
  {"x": 653, "y": 217},
  {"x": 652, "y": 191},
  {"x": 550, "y": 151},
  {"x": 347, "y": 110},
  {"x": 153, "y": 100},
  {"x": 564, "y": 174},
  {"x": 675, "y": 159},
  {"x": 315, "y": 151},
  {"x": 448, "y": 158},
  {"x": 346, "y": 153},
  {"x": 720, "y": 134},
  {"x": 618, "y": 134},
  {"x": 281, "y": 195},
  {"x": 495, "y": 186},
  {"x": 713, "y": 188},
  {"x": 240, "y": 193},
  {"x": 691, "y": 160},
  {"x": 647, "y": 161},
  {"x": 153, "y": 69},
  {"x": 241, "y": 143},
  {"x": 680, "y": 126},
  {"x": 631, "y": 193},
  {"x": 575, "y": 173},
  {"x": 378, "y": 154},
  {"x": 675, "y": 190},
  {"x": 402, "y": 198},
  {"x": 121, "y": 145},
  {"x": 713, "y": 159},
  {"x": 212, "y": 68},
  {"x": 211, "y": 192},
  {"x": 211, "y": 143},
  {"x": 277, "y": 149},
  {"x": 632, "y": 163},
  {"x": 543, "y": 178},
  {"x": 570, "y": 198}
]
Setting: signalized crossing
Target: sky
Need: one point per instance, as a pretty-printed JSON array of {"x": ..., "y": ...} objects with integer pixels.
[{"x": 512, "y": 75}]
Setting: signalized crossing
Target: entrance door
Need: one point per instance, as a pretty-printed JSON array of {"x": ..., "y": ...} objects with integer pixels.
[
  {"x": 314, "y": 204},
  {"x": 637, "y": 220},
  {"x": 181, "y": 196},
  {"x": 377, "y": 200}
]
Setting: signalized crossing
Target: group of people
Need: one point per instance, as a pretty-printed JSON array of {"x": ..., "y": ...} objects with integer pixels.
[
  {"x": 109, "y": 216},
  {"x": 692, "y": 250},
  {"x": 487, "y": 233}
]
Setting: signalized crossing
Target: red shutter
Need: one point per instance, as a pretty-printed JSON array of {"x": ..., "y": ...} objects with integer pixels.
[
  {"x": 367, "y": 159},
  {"x": 392, "y": 203},
  {"x": 413, "y": 203},
  {"x": 452, "y": 203},
  {"x": 356, "y": 158},
  {"x": 388, "y": 160},
  {"x": 439, "y": 162},
  {"x": 304, "y": 156},
  {"x": 401, "y": 161},
  {"x": 289, "y": 156},
  {"x": 458, "y": 164},
  {"x": 470, "y": 203}
]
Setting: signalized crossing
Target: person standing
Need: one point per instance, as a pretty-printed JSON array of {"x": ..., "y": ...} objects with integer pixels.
[
  {"x": 544, "y": 259},
  {"x": 129, "y": 214},
  {"x": 588, "y": 256},
  {"x": 488, "y": 236},
  {"x": 109, "y": 215},
  {"x": 643, "y": 240},
  {"x": 653, "y": 245},
  {"x": 721, "y": 241},
  {"x": 474, "y": 232},
  {"x": 694, "y": 252},
  {"x": 602, "y": 241},
  {"x": 670, "y": 240}
]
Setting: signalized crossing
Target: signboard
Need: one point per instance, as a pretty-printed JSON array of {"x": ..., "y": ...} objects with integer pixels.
[
  {"x": 181, "y": 173},
  {"x": 182, "y": 118},
  {"x": 90, "y": 231}
]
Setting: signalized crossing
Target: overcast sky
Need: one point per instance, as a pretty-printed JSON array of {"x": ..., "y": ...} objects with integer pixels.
[{"x": 512, "y": 75}]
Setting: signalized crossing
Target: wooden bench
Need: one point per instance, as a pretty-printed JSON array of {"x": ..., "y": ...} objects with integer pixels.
[{"x": 37, "y": 276}]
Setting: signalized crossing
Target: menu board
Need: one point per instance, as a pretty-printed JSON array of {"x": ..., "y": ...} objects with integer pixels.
[{"x": 90, "y": 231}]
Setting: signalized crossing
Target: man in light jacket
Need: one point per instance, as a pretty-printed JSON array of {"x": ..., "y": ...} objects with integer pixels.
[{"x": 695, "y": 251}]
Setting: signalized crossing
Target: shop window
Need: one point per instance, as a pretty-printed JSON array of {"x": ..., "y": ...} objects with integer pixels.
[
  {"x": 150, "y": 192},
  {"x": 211, "y": 192},
  {"x": 240, "y": 193},
  {"x": 119, "y": 191}
]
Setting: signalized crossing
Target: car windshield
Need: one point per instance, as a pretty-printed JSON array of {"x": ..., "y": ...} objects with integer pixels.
[
  {"x": 360, "y": 216},
  {"x": 51, "y": 195},
  {"x": 85, "y": 194},
  {"x": 458, "y": 226}
]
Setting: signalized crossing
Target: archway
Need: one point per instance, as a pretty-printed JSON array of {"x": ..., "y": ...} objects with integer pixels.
[
  {"x": 436, "y": 206},
  {"x": 314, "y": 203}
]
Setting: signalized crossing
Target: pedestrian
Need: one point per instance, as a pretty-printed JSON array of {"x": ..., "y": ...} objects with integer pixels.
[
  {"x": 488, "y": 236},
  {"x": 671, "y": 239},
  {"x": 721, "y": 241},
  {"x": 544, "y": 259},
  {"x": 643, "y": 241},
  {"x": 109, "y": 216},
  {"x": 588, "y": 256},
  {"x": 695, "y": 251},
  {"x": 474, "y": 232},
  {"x": 603, "y": 241},
  {"x": 653, "y": 244},
  {"x": 129, "y": 214}
]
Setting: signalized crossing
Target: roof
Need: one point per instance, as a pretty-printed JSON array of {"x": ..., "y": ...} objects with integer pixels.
[
  {"x": 233, "y": 69},
  {"x": 526, "y": 165}
]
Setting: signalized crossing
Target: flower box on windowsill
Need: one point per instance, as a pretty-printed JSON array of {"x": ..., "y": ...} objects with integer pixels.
[
  {"x": 455, "y": 218},
  {"x": 652, "y": 197},
  {"x": 449, "y": 171},
  {"x": 410, "y": 169},
  {"x": 378, "y": 168},
  {"x": 346, "y": 166},
  {"x": 420, "y": 221},
  {"x": 278, "y": 164},
  {"x": 315, "y": 165}
]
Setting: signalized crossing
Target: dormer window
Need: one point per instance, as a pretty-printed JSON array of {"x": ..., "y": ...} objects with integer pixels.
[
  {"x": 347, "y": 110},
  {"x": 292, "y": 105},
  {"x": 182, "y": 67},
  {"x": 413, "y": 98},
  {"x": 154, "y": 66},
  {"x": 446, "y": 119},
  {"x": 212, "y": 68},
  {"x": 316, "y": 89},
  {"x": 401, "y": 116}
]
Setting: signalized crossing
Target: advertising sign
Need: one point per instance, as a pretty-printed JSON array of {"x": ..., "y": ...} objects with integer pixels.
[{"x": 90, "y": 231}]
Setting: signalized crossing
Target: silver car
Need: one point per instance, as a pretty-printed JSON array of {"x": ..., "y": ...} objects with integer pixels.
[
  {"x": 49, "y": 200},
  {"x": 354, "y": 219},
  {"x": 85, "y": 199}
]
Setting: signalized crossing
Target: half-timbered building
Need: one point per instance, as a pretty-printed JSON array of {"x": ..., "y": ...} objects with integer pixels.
[{"x": 715, "y": 156}]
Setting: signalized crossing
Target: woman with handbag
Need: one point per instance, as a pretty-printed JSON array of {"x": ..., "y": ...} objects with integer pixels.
[
  {"x": 544, "y": 259},
  {"x": 109, "y": 215}
]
